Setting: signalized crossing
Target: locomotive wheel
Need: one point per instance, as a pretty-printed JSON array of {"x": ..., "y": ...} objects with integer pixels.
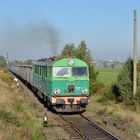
[
  {"x": 40, "y": 94},
  {"x": 48, "y": 103},
  {"x": 33, "y": 89},
  {"x": 44, "y": 98}
]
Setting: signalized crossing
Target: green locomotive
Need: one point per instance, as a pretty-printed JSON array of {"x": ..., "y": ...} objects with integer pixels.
[{"x": 63, "y": 83}]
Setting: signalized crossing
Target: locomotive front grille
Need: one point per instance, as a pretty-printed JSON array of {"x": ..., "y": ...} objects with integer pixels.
[
  {"x": 70, "y": 88},
  {"x": 71, "y": 100}
]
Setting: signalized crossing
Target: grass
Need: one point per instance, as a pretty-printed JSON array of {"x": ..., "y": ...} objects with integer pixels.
[
  {"x": 8, "y": 117},
  {"x": 18, "y": 119},
  {"x": 115, "y": 115},
  {"x": 125, "y": 121},
  {"x": 108, "y": 75}
]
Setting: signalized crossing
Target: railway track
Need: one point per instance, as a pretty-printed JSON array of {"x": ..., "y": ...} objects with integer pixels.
[{"x": 81, "y": 128}]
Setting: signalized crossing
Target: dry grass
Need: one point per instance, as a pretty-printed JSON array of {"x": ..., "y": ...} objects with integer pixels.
[
  {"x": 125, "y": 121},
  {"x": 3, "y": 93},
  {"x": 18, "y": 120}
]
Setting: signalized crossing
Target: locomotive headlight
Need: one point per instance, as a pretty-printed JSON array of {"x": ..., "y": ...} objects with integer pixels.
[
  {"x": 84, "y": 91},
  {"x": 56, "y": 91},
  {"x": 70, "y": 62}
]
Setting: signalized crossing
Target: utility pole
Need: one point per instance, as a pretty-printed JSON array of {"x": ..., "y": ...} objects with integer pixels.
[
  {"x": 135, "y": 56},
  {"x": 7, "y": 59}
]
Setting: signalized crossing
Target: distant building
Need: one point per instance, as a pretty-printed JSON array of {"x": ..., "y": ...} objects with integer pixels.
[{"x": 107, "y": 63}]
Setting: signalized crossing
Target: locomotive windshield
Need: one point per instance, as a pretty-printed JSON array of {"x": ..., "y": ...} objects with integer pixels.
[
  {"x": 61, "y": 72},
  {"x": 79, "y": 71}
]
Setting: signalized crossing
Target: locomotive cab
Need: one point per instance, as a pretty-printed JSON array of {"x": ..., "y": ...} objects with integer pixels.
[{"x": 70, "y": 85}]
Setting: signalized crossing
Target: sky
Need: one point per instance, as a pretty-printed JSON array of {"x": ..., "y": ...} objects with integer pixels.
[{"x": 32, "y": 29}]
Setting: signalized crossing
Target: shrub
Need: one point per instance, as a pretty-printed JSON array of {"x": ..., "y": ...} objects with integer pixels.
[
  {"x": 107, "y": 95},
  {"x": 96, "y": 86},
  {"x": 123, "y": 88}
]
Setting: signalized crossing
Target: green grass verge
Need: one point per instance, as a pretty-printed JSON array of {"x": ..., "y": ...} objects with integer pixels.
[{"x": 108, "y": 76}]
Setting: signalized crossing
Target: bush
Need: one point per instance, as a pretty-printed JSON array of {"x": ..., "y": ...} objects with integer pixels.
[
  {"x": 125, "y": 79},
  {"x": 123, "y": 88},
  {"x": 107, "y": 95},
  {"x": 96, "y": 86},
  {"x": 133, "y": 102}
]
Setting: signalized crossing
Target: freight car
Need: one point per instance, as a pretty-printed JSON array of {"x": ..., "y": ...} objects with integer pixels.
[{"x": 62, "y": 83}]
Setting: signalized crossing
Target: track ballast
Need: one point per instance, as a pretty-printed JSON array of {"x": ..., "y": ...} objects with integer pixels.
[{"x": 81, "y": 128}]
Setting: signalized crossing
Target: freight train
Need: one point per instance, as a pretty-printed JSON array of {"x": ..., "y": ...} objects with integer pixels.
[{"x": 62, "y": 83}]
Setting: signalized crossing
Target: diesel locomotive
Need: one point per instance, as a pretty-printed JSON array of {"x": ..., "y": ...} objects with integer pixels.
[{"x": 62, "y": 83}]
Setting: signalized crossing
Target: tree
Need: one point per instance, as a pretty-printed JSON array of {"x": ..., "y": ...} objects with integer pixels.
[
  {"x": 2, "y": 61},
  {"x": 112, "y": 65},
  {"x": 28, "y": 62},
  {"x": 124, "y": 86},
  {"x": 124, "y": 82},
  {"x": 69, "y": 50},
  {"x": 104, "y": 64},
  {"x": 82, "y": 53}
]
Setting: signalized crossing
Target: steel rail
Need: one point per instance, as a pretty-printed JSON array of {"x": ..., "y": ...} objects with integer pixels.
[
  {"x": 104, "y": 131},
  {"x": 93, "y": 130}
]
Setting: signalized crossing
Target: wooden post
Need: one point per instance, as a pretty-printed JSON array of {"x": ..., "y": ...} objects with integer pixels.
[
  {"x": 7, "y": 60},
  {"x": 135, "y": 56}
]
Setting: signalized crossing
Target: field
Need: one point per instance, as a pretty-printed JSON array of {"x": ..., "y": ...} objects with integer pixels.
[{"x": 108, "y": 75}]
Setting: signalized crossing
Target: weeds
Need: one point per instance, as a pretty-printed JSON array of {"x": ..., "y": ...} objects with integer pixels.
[
  {"x": 17, "y": 116},
  {"x": 97, "y": 86},
  {"x": 106, "y": 96},
  {"x": 5, "y": 76},
  {"x": 35, "y": 126},
  {"x": 8, "y": 117}
]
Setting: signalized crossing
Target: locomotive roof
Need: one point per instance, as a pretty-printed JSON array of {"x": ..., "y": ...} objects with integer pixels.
[
  {"x": 43, "y": 63},
  {"x": 29, "y": 66},
  {"x": 60, "y": 62}
]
